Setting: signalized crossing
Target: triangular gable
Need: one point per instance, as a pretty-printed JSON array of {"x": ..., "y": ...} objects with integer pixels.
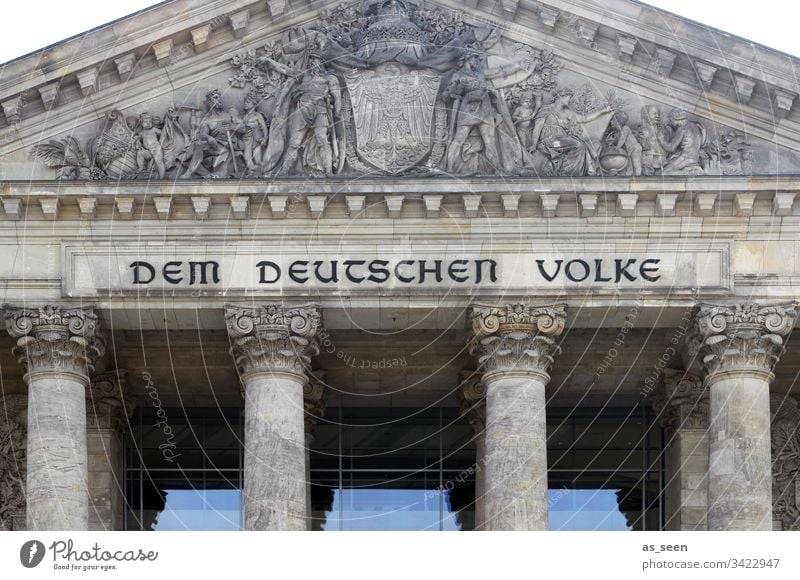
[{"x": 263, "y": 90}]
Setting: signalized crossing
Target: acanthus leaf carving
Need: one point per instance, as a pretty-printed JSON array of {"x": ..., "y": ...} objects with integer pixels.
[
  {"x": 314, "y": 392},
  {"x": 683, "y": 402},
  {"x": 108, "y": 404},
  {"x": 273, "y": 337},
  {"x": 516, "y": 337},
  {"x": 741, "y": 336},
  {"x": 472, "y": 398},
  {"x": 53, "y": 338}
]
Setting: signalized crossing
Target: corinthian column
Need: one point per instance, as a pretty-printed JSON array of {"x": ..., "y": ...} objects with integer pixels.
[
  {"x": 473, "y": 406},
  {"x": 272, "y": 346},
  {"x": 515, "y": 346},
  {"x": 56, "y": 347},
  {"x": 739, "y": 346}
]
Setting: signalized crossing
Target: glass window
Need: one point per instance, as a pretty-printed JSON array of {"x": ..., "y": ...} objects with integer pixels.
[
  {"x": 605, "y": 469},
  {"x": 393, "y": 469},
  {"x": 184, "y": 470}
]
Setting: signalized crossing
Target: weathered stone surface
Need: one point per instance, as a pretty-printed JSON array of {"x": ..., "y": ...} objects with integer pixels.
[
  {"x": 272, "y": 346},
  {"x": 683, "y": 410},
  {"x": 13, "y": 449},
  {"x": 108, "y": 408},
  {"x": 56, "y": 348},
  {"x": 739, "y": 346},
  {"x": 514, "y": 347}
]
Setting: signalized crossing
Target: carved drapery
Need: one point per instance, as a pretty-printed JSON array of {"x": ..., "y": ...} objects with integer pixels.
[
  {"x": 785, "y": 462},
  {"x": 51, "y": 338},
  {"x": 108, "y": 405},
  {"x": 13, "y": 442},
  {"x": 683, "y": 402},
  {"x": 273, "y": 337},
  {"x": 741, "y": 337},
  {"x": 517, "y": 336}
]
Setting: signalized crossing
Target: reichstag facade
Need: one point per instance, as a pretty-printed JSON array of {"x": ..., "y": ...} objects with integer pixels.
[{"x": 400, "y": 265}]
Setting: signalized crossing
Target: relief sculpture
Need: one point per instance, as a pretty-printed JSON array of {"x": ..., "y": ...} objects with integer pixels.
[{"x": 387, "y": 87}]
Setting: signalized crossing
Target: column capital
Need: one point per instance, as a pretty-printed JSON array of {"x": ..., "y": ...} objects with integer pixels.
[
  {"x": 51, "y": 338},
  {"x": 273, "y": 337},
  {"x": 472, "y": 397},
  {"x": 683, "y": 402},
  {"x": 516, "y": 337},
  {"x": 108, "y": 405},
  {"x": 741, "y": 337}
]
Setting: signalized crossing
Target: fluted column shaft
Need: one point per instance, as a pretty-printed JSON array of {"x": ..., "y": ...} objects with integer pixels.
[
  {"x": 515, "y": 346},
  {"x": 739, "y": 346},
  {"x": 272, "y": 346},
  {"x": 55, "y": 347}
]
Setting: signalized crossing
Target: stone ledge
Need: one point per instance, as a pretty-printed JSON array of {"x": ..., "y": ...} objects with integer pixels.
[{"x": 719, "y": 206}]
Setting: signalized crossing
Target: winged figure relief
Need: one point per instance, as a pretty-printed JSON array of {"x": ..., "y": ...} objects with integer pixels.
[{"x": 66, "y": 155}]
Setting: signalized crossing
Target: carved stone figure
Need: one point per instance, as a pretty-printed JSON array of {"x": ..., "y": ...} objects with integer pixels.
[
  {"x": 651, "y": 136},
  {"x": 212, "y": 141},
  {"x": 389, "y": 87},
  {"x": 255, "y": 134},
  {"x": 559, "y": 134},
  {"x": 150, "y": 150},
  {"x": 477, "y": 107},
  {"x": 685, "y": 145},
  {"x": 305, "y": 114},
  {"x": 621, "y": 153}
]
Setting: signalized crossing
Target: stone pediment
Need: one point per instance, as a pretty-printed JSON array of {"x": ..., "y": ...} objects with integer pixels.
[{"x": 267, "y": 90}]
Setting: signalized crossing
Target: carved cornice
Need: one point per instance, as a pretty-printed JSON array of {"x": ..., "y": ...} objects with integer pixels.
[
  {"x": 313, "y": 402},
  {"x": 272, "y": 337},
  {"x": 683, "y": 402},
  {"x": 50, "y": 338},
  {"x": 741, "y": 336},
  {"x": 516, "y": 337},
  {"x": 13, "y": 441},
  {"x": 108, "y": 405},
  {"x": 472, "y": 398},
  {"x": 786, "y": 461}
]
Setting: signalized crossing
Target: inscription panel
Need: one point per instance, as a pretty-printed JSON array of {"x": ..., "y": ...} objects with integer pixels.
[{"x": 470, "y": 269}]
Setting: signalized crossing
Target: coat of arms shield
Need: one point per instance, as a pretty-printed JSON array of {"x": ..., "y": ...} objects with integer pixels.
[{"x": 393, "y": 113}]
